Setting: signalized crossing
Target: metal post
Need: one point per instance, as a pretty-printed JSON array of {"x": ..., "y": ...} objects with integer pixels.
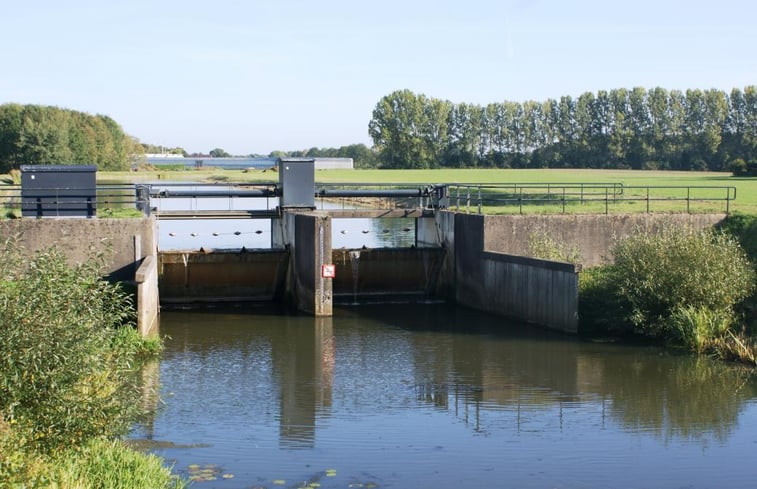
[
  {"x": 520, "y": 200},
  {"x": 563, "y": 200},
  {"x": 607, "y": 203},
  {"x": 479, "y": 200},
  {"x": 647, "y": 200},
  {"x": 688, "y": 200}
]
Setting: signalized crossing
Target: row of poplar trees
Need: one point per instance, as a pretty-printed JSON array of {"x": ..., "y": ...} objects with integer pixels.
[
  {"x": 638, "y": 129},
  {"x": 43, "y": 135}
]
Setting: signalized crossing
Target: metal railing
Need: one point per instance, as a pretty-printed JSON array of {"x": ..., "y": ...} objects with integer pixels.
[
  {"x": 62, "y": 199},
  {"x": 508, "y": 197},
  {"x": 589, "y": 196}
]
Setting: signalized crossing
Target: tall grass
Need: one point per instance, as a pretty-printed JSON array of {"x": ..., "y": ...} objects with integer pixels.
[{"x": 110, "y": 465}]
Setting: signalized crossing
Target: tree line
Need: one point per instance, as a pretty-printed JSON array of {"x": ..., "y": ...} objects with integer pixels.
[
  {"x": 44, "y": 135},
  {"x": 362, "y": 156},
  {"x": 652, "y": 129}
]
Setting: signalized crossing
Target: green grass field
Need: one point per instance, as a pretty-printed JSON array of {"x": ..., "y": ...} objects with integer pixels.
[{"x": 594, "y": 200}]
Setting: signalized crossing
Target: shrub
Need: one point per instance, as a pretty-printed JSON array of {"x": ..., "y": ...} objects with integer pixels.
[
  {"x": 600, "y": 308},
  {"x": 661, "y": 273},
  {"x": 62, "y": 380},
  {"x": 543, "y": 246}
]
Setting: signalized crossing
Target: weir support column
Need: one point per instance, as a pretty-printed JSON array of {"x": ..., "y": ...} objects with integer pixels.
[{"x": 308, "y": 237}]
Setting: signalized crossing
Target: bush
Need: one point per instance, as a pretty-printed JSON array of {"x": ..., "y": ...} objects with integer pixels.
[
  {"x": 62, "y": 379},
  {"x": 543, "y": 246},
  {"x": 660, "y": 274},
  {"x": 600, "y": 308}
]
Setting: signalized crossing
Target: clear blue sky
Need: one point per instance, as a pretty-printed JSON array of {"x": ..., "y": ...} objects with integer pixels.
[{"x": 257, "y": 75}]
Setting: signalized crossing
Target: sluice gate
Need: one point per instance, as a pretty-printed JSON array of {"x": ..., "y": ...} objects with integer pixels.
[{"x": 361, "y": 276}]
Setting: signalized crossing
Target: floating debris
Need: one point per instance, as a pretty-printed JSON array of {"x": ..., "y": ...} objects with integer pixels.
[
  {"x": 331, "y": 473},
  {"x": 278, "y": 482}
]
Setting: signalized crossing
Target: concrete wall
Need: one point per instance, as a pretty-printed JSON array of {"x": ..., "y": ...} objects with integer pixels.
[
  {"x": 123, "y": 242},
  {"x": 535, "y": 291},
  {"x": 148, "y": 302},
  {"x": 593, "y": 234}
]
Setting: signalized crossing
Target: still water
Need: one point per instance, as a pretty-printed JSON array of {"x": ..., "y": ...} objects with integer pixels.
[{"x": 435, "y": 396}]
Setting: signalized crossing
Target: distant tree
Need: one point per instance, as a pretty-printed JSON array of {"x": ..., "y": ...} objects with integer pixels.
[
  {"x": 219, "y": 153},
  {"x": 43, "y": 135},
  {"x": 619, "y": 128}
]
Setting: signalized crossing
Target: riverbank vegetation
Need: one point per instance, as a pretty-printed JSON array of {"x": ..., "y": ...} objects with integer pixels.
[
  {"x": 641, "y": 129},
  {"x": 682, "y": 287},
  {"x": 69, "y": 355}
]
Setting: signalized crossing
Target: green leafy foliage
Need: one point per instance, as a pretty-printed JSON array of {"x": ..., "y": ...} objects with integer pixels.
[
  {"x": 542, "y": 245},
  {"x": 677, "y": 285},
  {"x": 42, "y": 135},
  {"x": 638, "y": 128},
  {"x": 657, "y": 274},
  {"x": 63, "y": 359}
]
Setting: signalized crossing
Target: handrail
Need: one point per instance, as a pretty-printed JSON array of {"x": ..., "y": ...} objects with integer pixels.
[
  {"x": 448, "y": 195},
  {"x": 498, "y": 195}
]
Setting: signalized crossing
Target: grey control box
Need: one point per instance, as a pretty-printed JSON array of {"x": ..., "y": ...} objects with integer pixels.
[
  {"x": 58, "y": 190},
  {"x": 297, "y": 182}
]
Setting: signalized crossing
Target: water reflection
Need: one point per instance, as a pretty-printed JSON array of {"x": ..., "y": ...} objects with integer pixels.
[
  {"x": 303, "y": 365},
  {"x": 381, "y": 387}
]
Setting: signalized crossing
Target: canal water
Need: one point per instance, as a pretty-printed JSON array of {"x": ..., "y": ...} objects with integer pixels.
[{"x": 435, "y": 396}]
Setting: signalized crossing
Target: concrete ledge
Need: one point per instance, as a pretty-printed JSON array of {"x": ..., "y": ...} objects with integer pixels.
[{"x": 532, "y": 262}]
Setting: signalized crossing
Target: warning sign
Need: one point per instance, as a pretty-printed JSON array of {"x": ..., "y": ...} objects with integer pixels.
[{"x": 328, "y": 271}]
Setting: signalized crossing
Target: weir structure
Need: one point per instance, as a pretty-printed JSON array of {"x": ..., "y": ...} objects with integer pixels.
[{"x": 480, "y": 261}]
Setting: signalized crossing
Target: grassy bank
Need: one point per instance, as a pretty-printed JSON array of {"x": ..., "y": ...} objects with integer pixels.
[{"x": 69, "y": 355}]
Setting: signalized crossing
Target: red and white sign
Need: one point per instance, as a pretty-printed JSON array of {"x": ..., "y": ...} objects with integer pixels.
[{"x": 328, "y": 271}]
